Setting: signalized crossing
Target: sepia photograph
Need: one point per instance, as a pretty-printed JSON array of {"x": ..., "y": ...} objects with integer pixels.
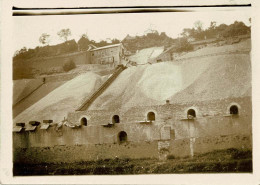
[{"x": 131, "y": 91}]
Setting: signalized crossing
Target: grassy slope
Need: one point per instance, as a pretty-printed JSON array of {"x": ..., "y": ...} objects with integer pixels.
[{"x": 220, "y": 161}]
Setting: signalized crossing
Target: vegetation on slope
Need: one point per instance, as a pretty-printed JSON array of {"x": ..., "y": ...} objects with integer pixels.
[
  {"x": 220, "y": 161},
  {"x": 153, "y": 39},
  {"x": 214, "y": 31}
]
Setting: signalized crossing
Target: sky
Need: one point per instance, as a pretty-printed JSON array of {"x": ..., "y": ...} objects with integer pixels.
[{"x": 28, "y": 29}]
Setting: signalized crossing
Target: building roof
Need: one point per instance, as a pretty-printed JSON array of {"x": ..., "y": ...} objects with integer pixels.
[
  {"x": 105, "y": 47},
  {"x": 45, "y": 127},
  {"x": 167, "y": 50},
  {"x": 17, "y": 129},
  {"x": 30, "y": 128},
  {"x": 91, "y": 46}
]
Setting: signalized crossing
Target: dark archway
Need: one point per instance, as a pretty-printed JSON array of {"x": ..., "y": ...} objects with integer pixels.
[
  {"x": 233, "y": 110},
  {"x": 151, "y": 116},
  {"x": 115, "y": 119},
  {"x": 191, "y": 113},
  {"x": 84, "y": 121},
  {"x": 122, "y": 137}
]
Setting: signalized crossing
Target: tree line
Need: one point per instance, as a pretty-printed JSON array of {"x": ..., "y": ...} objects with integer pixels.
[
  {"x": 68, "y": 46},
  {"x": 214, "y": 31},
  {"x": 151, "y": 39}
]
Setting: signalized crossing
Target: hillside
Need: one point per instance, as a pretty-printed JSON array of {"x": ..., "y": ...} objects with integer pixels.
[
  {"x": 23, "y": 88},
  {"x": 195, "y": 79},
  {"x": 35, "y": 96},
  {"x": 63, "y": 99},
  {"x": 29, "y": 68},
  {"x": 212, "y": 76}
]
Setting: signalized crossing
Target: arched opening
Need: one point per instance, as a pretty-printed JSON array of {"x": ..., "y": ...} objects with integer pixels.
[
  {"x": 233, "y": 110},
  {"x": 191, "y": 114},
  {"x": 84, "y": 121},
  {"x": 115, "y": 119},
  {"x": 122, "y": 137},
  {"x": 151, "y": 116}
]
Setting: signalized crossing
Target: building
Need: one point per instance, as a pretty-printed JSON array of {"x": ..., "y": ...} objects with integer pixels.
[
  {"x": 166, "y": 55},
  {"x": 108, "y": 55},
  {"x": 140, "y": 132}
]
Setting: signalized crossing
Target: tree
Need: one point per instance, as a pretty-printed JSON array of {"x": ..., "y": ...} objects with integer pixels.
[
  {"x": 115, "y": 41},
  {"x": 85, "y": 35},
  {"x": 102, "y": 43},
  {"x": 235, "y": 29},
  {"x": 16, "y": 53},
  {"x": 198, "y": 26},
  {"x": 187, "y": 32},
  {"x": 221, "y": 28},
  {"x": 44, "y": 39},
  {"x": 199, "y": 33},
  {"x": 211, "y": 31},
  {"x": 183, "y": 45},
  {"x": 83, "y": 42},
  {"x": 212, "y": 25},
  {"x": 64, "y": 34},
  {"x": 69, "y": 65},
  {"x": 23, "y": 50}
]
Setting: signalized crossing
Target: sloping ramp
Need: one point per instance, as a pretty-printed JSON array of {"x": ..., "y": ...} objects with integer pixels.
[
  {"x": 101, "y": 89},
  {"x": 35, "y": 96},
  {"x": 24, "y": 87}
]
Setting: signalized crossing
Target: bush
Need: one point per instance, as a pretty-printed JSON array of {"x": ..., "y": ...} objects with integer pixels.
[
  {"x": 183, "y": 45},
  {"x": 69, "y": 65},
  {"x": 170, "y": 156}
]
